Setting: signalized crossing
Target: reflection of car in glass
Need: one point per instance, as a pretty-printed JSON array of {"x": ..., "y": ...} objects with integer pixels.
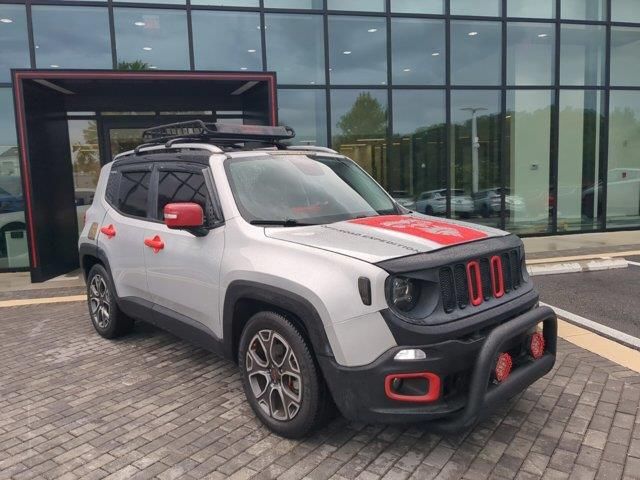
[
  {"x": 434, "y": 202},
  {"x": 296, "y": 264},
  {"x": 488, "y": 203},
  {"x": 623, "y": 194},
  {"x": 404, "y": 198}
]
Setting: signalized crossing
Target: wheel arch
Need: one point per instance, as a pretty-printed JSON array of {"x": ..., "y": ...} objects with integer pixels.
[
  {"x": 91, "y": 255},
  {"x": 245, "y": 298}
]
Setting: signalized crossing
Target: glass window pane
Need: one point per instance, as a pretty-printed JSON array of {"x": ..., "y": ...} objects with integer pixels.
[
  {"x": 530, "y": 54},
  {"x": 484, "y": 8},
  {"x": 85, "y": 162},
  {"x": 306, "y": 112},
  {"x": 418, "y": 6},
  {"x": 226, "y": 3},
  {"x": 625, "y": 11},
  {"x": 579, "y": 195},
  {"x": 357, "y": 5},
  {"x": 584, "y": 9},
  {"x": 623, "y": 176},
  {"x": 417, "y": 163},
  {"x": 582, "y": 55},
  {"x": 151, "y": 39},
  {"x": 306, "y": 4},
  {"x": 529, "y": 9},
  {"x": 295, "y": 48},
  {"x": 475, "y": 53},
  {"x": 14, "y": 52},
  {"x": 528, "y": 141},
  {"x": 359, "y": 119},
  {"x": 177, "y": 2},
  {"x": 13, "y": 237},
  {"x": 357, "y": 50},
  {"x": 625, "y": 56},
  {"x": 226, "y": 40},
  {"x": 475, "y": 160},
  {"x": 418, "y": 51},
  {"x": 86, "y": 45},
  {"x": 133, "y": 193}
]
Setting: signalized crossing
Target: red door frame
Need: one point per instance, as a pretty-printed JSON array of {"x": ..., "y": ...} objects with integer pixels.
[{"x": 20, "y": 75}]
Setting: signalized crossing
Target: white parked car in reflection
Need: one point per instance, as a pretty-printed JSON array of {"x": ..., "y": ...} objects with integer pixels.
[
  {"x": 488, "y": 202},
  {"x": 434, "y": 202}
]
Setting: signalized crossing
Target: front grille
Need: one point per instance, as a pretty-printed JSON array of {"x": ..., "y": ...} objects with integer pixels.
[{"x": 454, "y": 280}]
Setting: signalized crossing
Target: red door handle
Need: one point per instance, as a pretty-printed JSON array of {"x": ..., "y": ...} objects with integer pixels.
[
  {"x": 156, "y": 243},
  {"x": 109, "y": 231}
]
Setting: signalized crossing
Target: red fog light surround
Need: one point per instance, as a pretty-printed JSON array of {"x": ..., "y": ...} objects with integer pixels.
[
  {"x": 503, "y": 367},
  {"x": 536, "y": 345},
  {"x": 432, "y": 391}
]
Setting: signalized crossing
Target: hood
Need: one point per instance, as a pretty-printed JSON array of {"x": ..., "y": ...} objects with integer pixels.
[{"x": 385, "y": 237}]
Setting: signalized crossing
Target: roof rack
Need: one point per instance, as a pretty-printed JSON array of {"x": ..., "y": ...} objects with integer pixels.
[{"x": 215, "y": 133}]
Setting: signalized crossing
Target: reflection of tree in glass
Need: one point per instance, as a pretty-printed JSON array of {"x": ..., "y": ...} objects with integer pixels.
[
  {"x": 85, "y": 154},
  {"x": 135, "y": 65},
  {"x": 367, "y": 117}
]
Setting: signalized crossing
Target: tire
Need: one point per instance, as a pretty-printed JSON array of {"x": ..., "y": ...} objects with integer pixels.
[
  {"x": 281, "y": 379},
  {"x": 428, "y": 210},
  {"x": 106, "y": 317}
]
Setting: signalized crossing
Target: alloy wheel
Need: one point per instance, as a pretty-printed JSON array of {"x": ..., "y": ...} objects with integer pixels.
[
  {"x": 99, "y": 301},
  {"x": 274, "y": 375}
]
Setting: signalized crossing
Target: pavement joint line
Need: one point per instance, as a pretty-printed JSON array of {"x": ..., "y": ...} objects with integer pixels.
[
  {"x": 42, "y": 301},
  {"x": 619, "y": 347},
  {"x": 607, "y": 255}
]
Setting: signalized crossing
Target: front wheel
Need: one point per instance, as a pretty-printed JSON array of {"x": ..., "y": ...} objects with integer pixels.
[
  {"x": 281, "y": 380},
  {"x": 106, "y": 317}
]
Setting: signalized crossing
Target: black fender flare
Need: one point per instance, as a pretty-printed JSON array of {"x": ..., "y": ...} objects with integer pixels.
[
  {"x": 279, "y": 298},
  {"x": 92, "y": 250}
]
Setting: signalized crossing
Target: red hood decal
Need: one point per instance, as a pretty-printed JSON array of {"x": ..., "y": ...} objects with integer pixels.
[{"x": 436, "y": 231}]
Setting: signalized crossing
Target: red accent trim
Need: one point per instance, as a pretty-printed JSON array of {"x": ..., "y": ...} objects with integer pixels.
[
  {"x": 537, "y": 345},
  {"x": 497, "y": 278},
  {"x": 443, "y": 233},
  {"x": 183, "y": 215},
  {"x": 504, "y": 364},
  {"x": 433, "y": 392},
  {"x": 109, "y": 231},
  {"x": 474, "y": 280},
  {"x": 155, "y": 243}
]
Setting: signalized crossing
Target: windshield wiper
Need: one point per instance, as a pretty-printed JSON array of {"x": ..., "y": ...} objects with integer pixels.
[{"x": 289, "y": 222}]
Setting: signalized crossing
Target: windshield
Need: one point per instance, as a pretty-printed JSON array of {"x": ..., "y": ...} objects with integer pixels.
[{"x": 301, "y": 189}]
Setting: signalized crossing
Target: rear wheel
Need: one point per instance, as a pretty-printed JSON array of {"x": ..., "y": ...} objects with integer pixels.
[
  {"x": 106, "y": 317},
  {"x": 281, "y": 379}
]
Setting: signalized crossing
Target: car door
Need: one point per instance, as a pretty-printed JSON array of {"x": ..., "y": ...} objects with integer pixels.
[
  {"x": 122, "y": 230},
  {"x": 183, "y": 274}
]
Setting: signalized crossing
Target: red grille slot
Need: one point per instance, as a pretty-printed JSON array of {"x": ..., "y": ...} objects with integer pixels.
[
  {"x": 497, "y": 279},
  {"x": 475, "y": 283}
]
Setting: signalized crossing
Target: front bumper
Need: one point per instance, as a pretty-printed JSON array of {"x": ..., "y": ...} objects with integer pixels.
[{"x": 465, "y": 366}]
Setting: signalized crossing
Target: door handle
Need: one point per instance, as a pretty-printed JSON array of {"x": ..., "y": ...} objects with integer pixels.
[
  {"x": 109, "y": 231},
  {"x": 156, "y": 243}
]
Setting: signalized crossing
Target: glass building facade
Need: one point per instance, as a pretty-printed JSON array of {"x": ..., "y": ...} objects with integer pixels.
[{"x": 518, "y": 114}]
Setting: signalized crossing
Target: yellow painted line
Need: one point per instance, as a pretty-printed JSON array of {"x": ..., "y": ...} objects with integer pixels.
[
  {"x": 42, "y": 301},
  {"x": 630, "y": 253},
  {"x": 625, "y": 356}
]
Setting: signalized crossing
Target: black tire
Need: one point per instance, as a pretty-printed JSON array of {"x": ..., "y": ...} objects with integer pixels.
[
  {"x": 266, "y": 384},
  {"x": 428, "y": 210},
  {"x": 106, "y": 317}
]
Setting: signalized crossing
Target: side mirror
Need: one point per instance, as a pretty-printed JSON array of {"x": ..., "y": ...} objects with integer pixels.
[{"x": 183, "y": 216}]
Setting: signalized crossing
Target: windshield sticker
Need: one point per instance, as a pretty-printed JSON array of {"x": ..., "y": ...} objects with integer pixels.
[{"x": 440, "y": 232}]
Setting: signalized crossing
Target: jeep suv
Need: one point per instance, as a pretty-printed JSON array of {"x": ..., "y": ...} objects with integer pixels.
[{"x": 294, "y": 263}]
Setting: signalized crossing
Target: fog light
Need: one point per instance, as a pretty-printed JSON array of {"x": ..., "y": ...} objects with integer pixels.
[
  {"x": 536, "y": 346},
  {"x": 410, "y": 354},
  {"x": 503, "y": 367}
]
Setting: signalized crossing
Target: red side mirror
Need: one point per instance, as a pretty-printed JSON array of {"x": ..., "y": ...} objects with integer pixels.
[{"x": 183, "y": 215}]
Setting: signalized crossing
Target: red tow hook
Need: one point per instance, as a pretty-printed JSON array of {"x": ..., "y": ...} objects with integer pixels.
[
  {"x": 109, "y": 231},
  {"x": 155, "y": 243}
]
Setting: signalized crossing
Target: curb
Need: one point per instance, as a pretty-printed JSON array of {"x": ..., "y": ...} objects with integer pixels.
[{"x": 576, "y": 267}]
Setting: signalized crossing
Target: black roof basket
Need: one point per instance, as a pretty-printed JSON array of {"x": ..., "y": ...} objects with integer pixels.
[{"x": 215, "y": 133}]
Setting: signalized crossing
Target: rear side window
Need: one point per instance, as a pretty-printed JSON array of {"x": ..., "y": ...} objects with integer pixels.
[
  {"x": 133, "y": 193},
  {"x": 184, "y": 186}
]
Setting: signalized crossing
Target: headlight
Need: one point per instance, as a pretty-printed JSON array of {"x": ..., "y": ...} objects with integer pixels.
[{"x": 404, "y": 294}]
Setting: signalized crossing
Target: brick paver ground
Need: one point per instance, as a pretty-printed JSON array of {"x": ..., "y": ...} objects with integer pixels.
[{"x": 73, "y": 405}]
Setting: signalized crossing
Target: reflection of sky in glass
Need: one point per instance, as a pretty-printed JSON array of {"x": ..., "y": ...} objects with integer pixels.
[
  {"x": 71, "y": 37},
  {"x": 625, "y": 56},
  {"x": 418, "y": 51},
  {"x": 625, "y": 11},
  {"x": 295, "y": 48},
  {"x": 14, "y": 44},
  {"x": 155, "y": 37},
  {"x": 529, "y": 9},
  {"x": 417, "y": 109},
  {"x": 180, "y": 2},
  {"x": 583, "y": 9},
  {"x": 306, "y": 112},
  {"x": 357, "y": 50},
  {"x": 475, "y": 53},
  {"x": 357, "y": 5},
  {"x": 582, "y": 54},
  {"x": 293, "y": 3},
  {"x": 530, "y": 53},
  {"x": 418, "y": 6},
  {"x": 225, "y": 3},
  {"x": 226, "y": 40},
  {"x": 485, "y": 8},
  {"x": 7, "y": 123}
]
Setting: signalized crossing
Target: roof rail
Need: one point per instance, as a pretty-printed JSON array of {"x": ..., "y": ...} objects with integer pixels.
[
  {"x": 215, "y": 133},
  {"x": 311, "y": 148}
]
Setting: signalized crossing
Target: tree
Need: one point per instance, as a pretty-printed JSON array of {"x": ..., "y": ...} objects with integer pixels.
[
  {"x": 86, "y": 157},
  {"x": 367, "y": 117},
  {"x": 135, "y": 65}
]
